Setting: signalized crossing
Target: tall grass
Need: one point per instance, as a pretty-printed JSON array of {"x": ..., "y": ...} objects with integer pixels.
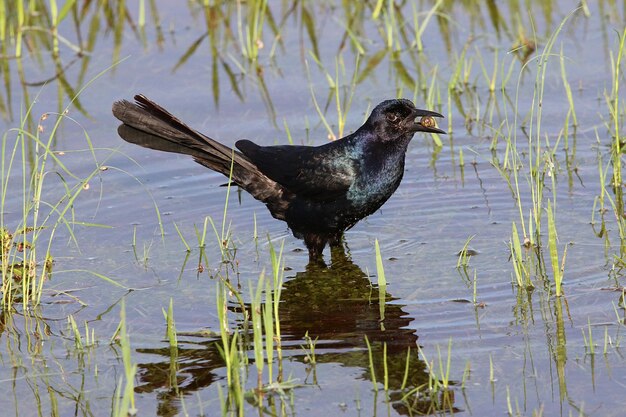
[
  {"x": 31, "y": 169},
  {"x": 27, "y": 259},
  {"x": 382, "y": 284},
  {"x": 557, "y": 265},
  {"x": 613, "y": 104},
  {"x": 261, "y": 315},
  {"x": 342, "y": 87},
  {"x": 439, "y": 378},
  {"x": 58, "y": 35},
  {"x": 250, "y": 32},
  {"x": 170, "y": 333},
  {"x": 124, "y": 398},
  {"x": 538, "y": 167}
]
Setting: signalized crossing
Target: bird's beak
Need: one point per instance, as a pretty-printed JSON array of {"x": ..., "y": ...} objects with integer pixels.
[{"x": 426, "y": 121}]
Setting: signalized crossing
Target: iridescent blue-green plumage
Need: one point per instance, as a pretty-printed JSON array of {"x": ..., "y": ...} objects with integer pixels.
[{"x": 319, "y": 191}]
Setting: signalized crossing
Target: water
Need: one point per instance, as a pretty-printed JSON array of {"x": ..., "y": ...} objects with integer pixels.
[{"x": 518, "y": 350}]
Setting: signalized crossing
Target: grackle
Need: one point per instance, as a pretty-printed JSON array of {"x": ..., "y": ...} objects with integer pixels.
[{"x": 320, "y": 191}]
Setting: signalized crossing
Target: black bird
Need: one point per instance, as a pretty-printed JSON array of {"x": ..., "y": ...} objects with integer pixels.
[{"x": 320, "y": 191}]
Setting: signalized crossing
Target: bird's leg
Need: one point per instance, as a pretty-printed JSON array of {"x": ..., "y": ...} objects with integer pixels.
[
  {"x": 336, "y": 240},
  {"x": 315, "y": 244}
]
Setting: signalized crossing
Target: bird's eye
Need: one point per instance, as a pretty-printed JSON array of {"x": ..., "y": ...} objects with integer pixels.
[{"x": 392, "y": 117}]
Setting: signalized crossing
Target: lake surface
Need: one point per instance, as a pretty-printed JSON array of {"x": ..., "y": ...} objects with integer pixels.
[{"x": 511, "y": 350}]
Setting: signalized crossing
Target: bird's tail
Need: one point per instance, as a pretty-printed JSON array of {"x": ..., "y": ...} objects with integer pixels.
[{"x": 147, "y": 124}]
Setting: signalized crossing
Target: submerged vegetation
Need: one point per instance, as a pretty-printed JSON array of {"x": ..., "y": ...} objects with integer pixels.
[{"x": 516, "y": 98}]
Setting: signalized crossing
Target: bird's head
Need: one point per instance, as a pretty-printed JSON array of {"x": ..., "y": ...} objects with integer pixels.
[{"x": 398, "y": 117}]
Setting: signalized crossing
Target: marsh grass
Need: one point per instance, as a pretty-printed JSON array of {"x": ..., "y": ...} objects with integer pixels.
[
  {"x": 372, "y": 369},
  {"x": 538, "y": 167},
  {"x": 520, "y": 267},
  {"x": 232, "y": 355},
  {"x": 251, "y": 32},
  {"x": 420, "y": 25},
  {"x": 172, "y": 339},
  {"x": 260, "y": 320},
  {"x": 57, "y": 36},
  {"x": 571, "y": 118},
  {"x": 341, "y": 90},
  {"x": 30, "y": 167},
  {"x": 82, "y": 342},
  {"x": 182, "y": 238},
  {"x": 124, "y": 398},
  {"x": 615, "y": 110},
  {"x": 257, "y": 328},
  {"x": 309, "y": 349},
  {"x": 250, "y": 333},
  {"x": 382, "y": 284},
  {"x": 590, "y": 345},
  {"x": 380, "y": 268},
  {"x": 499, "y": 77},
  {"x": 557, "y": 265},
  {"x": 465, "y": 254},
  {"x": 439, "y": 385},
  {"x": 266, "y": 329},
  {"x": 439, "y": 374},
  {"x": 614, "y": 341}
]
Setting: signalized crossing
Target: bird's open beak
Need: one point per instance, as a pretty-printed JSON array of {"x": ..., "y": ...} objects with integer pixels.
[{"x": 426, "y": 121}]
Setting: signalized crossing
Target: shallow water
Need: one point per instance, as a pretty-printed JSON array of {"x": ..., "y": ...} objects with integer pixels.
[{"x": 516, "y": 351}]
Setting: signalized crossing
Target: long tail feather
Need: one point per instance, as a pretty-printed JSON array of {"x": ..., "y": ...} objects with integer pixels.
[{"x": 147, "y": 124}]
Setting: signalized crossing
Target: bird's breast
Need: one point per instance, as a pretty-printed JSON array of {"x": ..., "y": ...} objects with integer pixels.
[{"x": 376, "y": 183}]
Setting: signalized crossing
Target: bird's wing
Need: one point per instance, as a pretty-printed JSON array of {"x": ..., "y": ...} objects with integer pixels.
[{"x": 316, "y": 173}]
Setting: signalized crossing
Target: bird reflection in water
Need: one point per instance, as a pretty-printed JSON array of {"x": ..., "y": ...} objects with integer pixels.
[{"x": 337, "y": 306}]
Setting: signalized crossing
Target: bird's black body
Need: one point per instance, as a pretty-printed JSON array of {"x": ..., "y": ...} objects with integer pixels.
[{"x": 319, "y": 191}]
